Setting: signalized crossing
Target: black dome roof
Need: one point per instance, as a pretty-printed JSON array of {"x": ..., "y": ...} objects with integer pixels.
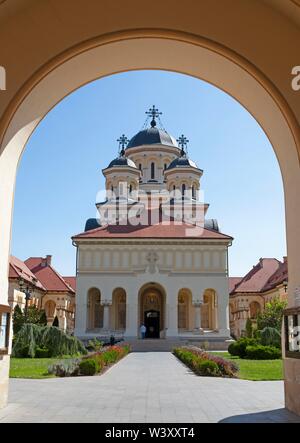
[
  {"x": 152, "y": 136},
  {"x": 122, "y": 161},
  {"x": 182, "y": 162}
]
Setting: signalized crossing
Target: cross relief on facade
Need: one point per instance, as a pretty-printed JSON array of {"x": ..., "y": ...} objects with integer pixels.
[{"x": 152, "y": 258}]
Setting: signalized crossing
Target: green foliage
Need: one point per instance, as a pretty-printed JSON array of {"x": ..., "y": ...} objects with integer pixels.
[
  {"x": 55, "y": 322},
  {"x": 272, "y": 315},
  {"x": 238, "y": 348},
  {"x": 56, "y": 341},
  {"x": 249, "y": 328},
  {"x": 95, "y": 344},
  {"x": 260, "y": 352},
  {"x": 42, "y": 353},
  {"x": 270, "y": 337},
  {"x": 65, "y": 368},
  {"x": 43, "y": 318},
  {"x": 34, "y": 316},
  {"x": 203, "y": 363},
  {"x": 18, "y": 319},
  {"x": 89, "y": 366},
  {"x": 207, "y": 368}
]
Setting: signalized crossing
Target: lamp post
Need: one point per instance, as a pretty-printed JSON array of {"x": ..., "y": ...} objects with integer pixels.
[{"x": 27, "y": 291}]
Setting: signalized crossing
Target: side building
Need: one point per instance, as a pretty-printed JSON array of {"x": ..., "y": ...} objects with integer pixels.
[
  {"x": 47, "y": 288},
  {"x": 267, "y": 280}
]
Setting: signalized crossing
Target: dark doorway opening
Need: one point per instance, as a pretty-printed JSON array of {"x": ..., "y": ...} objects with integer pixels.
[{"x": 152, "y": 321}]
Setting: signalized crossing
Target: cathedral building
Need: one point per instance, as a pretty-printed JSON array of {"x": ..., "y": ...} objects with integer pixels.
[{"x": 152, "y": 257}]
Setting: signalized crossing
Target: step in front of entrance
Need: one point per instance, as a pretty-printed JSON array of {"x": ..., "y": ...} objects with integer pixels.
[{"x": 167, "y": 345}]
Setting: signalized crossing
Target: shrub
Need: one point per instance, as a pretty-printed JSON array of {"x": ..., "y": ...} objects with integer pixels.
[
  {"x": 238, "y": 348},
  {"x": 260, "y": 352},
  {"x": 249, "y": 328},
  {"x": 95, "y": 344},
  {"x": 207, "y": 368},
  {"x": 24, "y": 352},
  {"x": 270, "y": 337},
  {"x": 89, "y": 366},
  {"x": 193, "y": 357},
  {"x": 49, "y": 337},
  {"x": 65, "y": 368},
  {"x": 42, "y": 353}
]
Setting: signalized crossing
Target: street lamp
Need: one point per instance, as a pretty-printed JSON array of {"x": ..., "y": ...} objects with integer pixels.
[
  {"x": 27, "y": 291},
  {"x": 285, "y": 285}
]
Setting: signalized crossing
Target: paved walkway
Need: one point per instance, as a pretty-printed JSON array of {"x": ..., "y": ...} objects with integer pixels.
[{"x": 146, "y": 387}]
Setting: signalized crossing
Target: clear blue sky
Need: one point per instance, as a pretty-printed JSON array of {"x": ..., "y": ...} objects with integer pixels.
[{"x": 60, "y": 172}]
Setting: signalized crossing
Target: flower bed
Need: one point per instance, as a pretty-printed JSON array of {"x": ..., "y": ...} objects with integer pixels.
[
  {"x": 91, "y": 364},
  {"x": 205, "y": 364}
]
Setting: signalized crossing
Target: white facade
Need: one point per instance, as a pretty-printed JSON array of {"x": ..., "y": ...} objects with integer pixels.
[{"x": 174, "y": 283}]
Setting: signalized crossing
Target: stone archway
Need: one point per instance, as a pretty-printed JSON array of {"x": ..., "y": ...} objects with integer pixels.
[
  {"x": 80, "y": 54},
  {"x": 152, "y": 310}
]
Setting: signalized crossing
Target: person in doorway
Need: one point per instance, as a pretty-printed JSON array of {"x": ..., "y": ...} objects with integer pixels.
[{"x": 143, "y": 330}]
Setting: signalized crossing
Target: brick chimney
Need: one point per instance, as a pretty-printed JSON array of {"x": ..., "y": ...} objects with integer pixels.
[{"x": 285, "y": 259}]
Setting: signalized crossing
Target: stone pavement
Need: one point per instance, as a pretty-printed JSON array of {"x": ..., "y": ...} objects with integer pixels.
[{"x": 146, "y": 387}]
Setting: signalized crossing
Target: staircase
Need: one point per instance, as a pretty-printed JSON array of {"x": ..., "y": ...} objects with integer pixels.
[{"x": 168, "y": 344}]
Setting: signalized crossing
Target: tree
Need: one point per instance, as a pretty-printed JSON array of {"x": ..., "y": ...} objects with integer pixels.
[
  {"x": 18, "y": 319},
  {"x": 55, "y": 322},
  {"x": 272, "y": 315},
  {"x": 249, "y": 328},
  {"x": 43, "y": 318},
  {"x": 34, "y": 316}
]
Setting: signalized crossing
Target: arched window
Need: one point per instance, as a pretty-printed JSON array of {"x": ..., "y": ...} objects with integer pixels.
[
  {"x": 183, "y": 189},
  {"x": 152, "y": 170},
  {"x": 140, "y": 166},
  {"x": 165, "y": 166},
  {"x": 130, "y": 189}
]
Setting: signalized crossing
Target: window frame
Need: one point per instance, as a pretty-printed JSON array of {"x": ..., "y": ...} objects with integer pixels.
[{"x": 5, "y": 309}]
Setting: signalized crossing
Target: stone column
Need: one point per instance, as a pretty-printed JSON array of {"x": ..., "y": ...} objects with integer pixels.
[
  {"x": 131, "y": 319},
  {"x": 106, "y": 314},
  {"x": 172, "y": 318},
  {"x": 223, "y": 316},
  {"x": 197, "y": 305}
]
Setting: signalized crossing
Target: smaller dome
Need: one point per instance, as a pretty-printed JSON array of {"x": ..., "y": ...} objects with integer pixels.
[
  {"x": 182, "y": 162},
  {"x": 122, "y": 161}
]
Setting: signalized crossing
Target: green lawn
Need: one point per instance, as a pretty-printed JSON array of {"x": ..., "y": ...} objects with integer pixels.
[
  {"x": 30, "y": 367},
  {"x": 256, "y": 370}
]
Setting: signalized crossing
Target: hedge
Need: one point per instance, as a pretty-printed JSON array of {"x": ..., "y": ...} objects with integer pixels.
[{"x": 203, "y": 363}]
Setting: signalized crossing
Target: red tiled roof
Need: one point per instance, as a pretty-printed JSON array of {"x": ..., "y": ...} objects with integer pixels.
[
  {"x": 233, "y": 281},
  {"x": 159, "y": 230},
  {"x": 47, "y": 275},
  {"x": 19, "y": 269},
  {"x": 257, "y": 278},
  {"x": 278, "y": 277},
  {"x": 71, "y": 282}
]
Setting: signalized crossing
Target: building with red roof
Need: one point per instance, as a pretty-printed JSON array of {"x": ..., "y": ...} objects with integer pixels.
[
  {"x": 152, "y": 257},
  {"x": 48, "y": 289},
  {"x": 267, "y": 280}
]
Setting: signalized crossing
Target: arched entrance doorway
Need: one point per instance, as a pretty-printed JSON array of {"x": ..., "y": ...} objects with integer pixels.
[{"x": 152, "y": 310}]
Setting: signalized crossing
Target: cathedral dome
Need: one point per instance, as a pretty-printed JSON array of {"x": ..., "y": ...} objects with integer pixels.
[
  {"x": 122, "y": 161},
  {"x": 152, "y": 136},
  {"x": 182, "y": 162}
]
